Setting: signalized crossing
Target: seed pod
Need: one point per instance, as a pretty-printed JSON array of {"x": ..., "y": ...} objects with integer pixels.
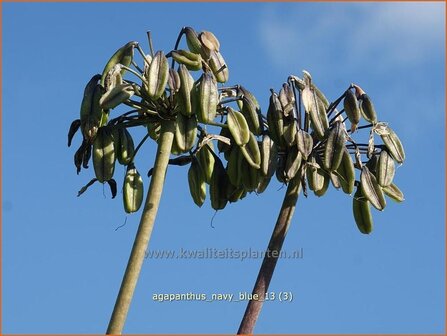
[
  {"x": 238, "y": 127},
  {"x": 263, "y": 184},
  {"x": 73, "y": 129},
  {"x": 206, "y": 98},
  {"x": 304, "y": 143},
  {"x": 335, "y": 180},
  {"x": 116, "y": 96},
  {"x": 223, "y": 147},
  {"x": 269, "y": 156},
  {"x": 173, "y": 81},
  {"x": 209, "y": 40},
  {"x": 206, "y": 160},
  {"x": 316, "y": 110},
  {"x": 280, "y": 173},
  {"x": 196, "y": 181},
  {"x": 78, "y": 157},
  {"x": 351, "y": 106},
  {"x": 192, "y": 40},
  {"x": 385, "y": 169},
  {"x": 157, "y": 76},
  {"x": 335, "y": 144},
  {"x": 287, "y": 99},
  {"x": 315, "y": 175},
  {"x": 104, "y": 155},
  {"x": 191, "y": 60},
  {"x": 362, "y": 212},
  {"x": 154, "y": 129},
  {"x": 186, "y": 90},
  {"x": 275, "y": 120},
  {"x": 250, "y": 176},
  {"x": 251, "y": 110},
  {"x": 123, "y": 55},
  {"x": 91, "y": 112},
  {"x": 290, "y": 131},
  {"x": 87, "y": 155},
  {"x": 393, "y": 144},
  {"x": 293, "y": 163},
  {"x": 133, "y": 190},
  {"x": 251, "y": 152},
  {"x": 234, "y": 171},
  {"x": 367, "y": 109},
  {"x": 234, "y": 194},
  {"x": 123, "y": 145},
  {"x": 372, "y": 164},
  {"x": 113, "y": 77},
  {"x": 346, "y": 173},
  {"x": 218, "y": 186},
  {"x": 185, "y": 132},
  {"x": 371, "y": 189},
  {"x": 218, "y": 67},
  {"x": 393, "y": 192},
  {"x": 320, "y": 192}
]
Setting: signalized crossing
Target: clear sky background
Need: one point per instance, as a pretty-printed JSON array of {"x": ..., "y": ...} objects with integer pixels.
[{"x": 62, "y": 258}]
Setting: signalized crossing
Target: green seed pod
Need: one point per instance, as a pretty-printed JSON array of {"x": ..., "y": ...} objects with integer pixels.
[
  {"x": 185, "y": 132},
  {"x": 192, "y": 40},
  {"x": 218, "y": 67},
  {"x": 372, "y": 164},
  {"x": 362, "y": 212},
  {"x": 234, "y": 171},
  {"x": 346, "y": 173},
  {"x": 371, "y": 189},
  {"x": 315, "y": 175},
  {"x": 223, "y": 147},
  {"x": 293, "y": 163},
  {"x": 250, "y": 176},
  {"x": 326, "y": 178},
  {"x": 251, "y": 152},
  {"x": 393, "y": 192},
  {"x": 104, "y": 155},
  {"x": 238, "y": 127},
  {"x": 304, "y": 143},
  {"x": 335, "y": 145},
  {"x": 116, "y": 96},
  {"x": 124, "y": 145},
  {"x": 352, "y": 109},
  {"x": 269, "y": 156},
  {"x": 191, "y": 60},
  {"x": 197, "y": 185},
  {"x": 234, "y": 194},
  {"x": 157, "y": 76},
  {"x": 133, "y": 190},
  {"x": 123, "y": 55},
  {"x": 206, "y": 98},
  {"x": 385, "y": 169},
  {"x": 263, "y": 184},
  {"x": 206, "y": 160},
  {"x": 393, "y": 144},
  {"x": 173, "y": 81},
  {"x": 275, "y": 120},
  {"x": 185, "y": 92},
  {"x": 367, "y": 109},
  {"x": 218, "y": 186},
  {"x": 251, "y": 110},
  {"x": 290, "y": 131}
]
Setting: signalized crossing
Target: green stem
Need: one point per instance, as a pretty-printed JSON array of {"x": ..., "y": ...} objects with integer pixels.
[
  {"x": 270, "y": 259},
  {"x": 141, "y": 242}
]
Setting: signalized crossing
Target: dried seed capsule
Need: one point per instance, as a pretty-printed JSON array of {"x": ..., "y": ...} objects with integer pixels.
[
  {"x": 393, "y": 192},
  {"x": 393, "y": 144},
  {"x": 280, "y": 173},
  {"x": 293, "y": 163},
  {"x": 263, "y": 184},
  {"x": 290, "y": 131},
  {"x": 351, "y": 106},
  {"x": 304, "y": 143},
  {"x": 315, "y": 175},
  {"x": 238, "y": 127},
  {"x": 275, "y": 120},
  {"x": 206, "y": 160},
  {"x": 269, "y": 156},
  {"x": 335, "y": 145},
  {"x": 173, "y": 81},
  {"x": 133, "y": 190},
  {"x": 116, "y": 96},
  {"x": 157, "y": 76},
  {"x": 209, "y": 40},
  {"x": 218, "y": 67},
  {"x": 371, "y": 189},
  {"x": 316, "y": 110},
  {"x": 362, "y": 212},
  {"x": 104, "y": 155},
  {"x": 185, "y": 92},
  {"x": 372, "y": 164},
  {"x": 206, "y": 98},
  {"x": 385, "y": 169},
  {"x": 346, "y": 173},
  {"x": 73, "y": 129},
  {"x": 191, "y": 60},
  {"x": 251, "y": 152},
  {"x": 196, "y": 182},
  {"x": 185, "y": 132},
  {"x": 251, "y": 110},
  {"x": 123, "y": 55},
  {"x": 367, "y": 109},
  {"x": 91, "y": 112}
]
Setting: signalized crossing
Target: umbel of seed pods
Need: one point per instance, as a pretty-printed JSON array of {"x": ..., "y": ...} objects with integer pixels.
[{"x": 288, "y": 141}]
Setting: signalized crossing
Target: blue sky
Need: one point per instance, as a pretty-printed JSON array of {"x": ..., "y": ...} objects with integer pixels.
[{"x": 62, "y": 258}]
